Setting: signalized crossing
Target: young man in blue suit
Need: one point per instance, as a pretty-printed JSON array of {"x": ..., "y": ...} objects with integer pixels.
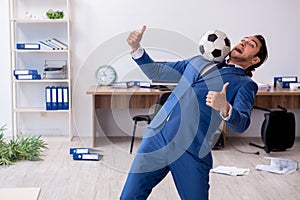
[{"x": 178, "y": 139}]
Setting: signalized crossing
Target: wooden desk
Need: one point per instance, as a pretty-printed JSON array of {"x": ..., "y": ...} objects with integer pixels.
[
  {"x": 284, "y": 97},
  {"x": 112, "y": 98}
]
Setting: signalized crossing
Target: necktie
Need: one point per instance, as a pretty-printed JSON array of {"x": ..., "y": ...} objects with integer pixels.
[{"x": 211, "y": 68}]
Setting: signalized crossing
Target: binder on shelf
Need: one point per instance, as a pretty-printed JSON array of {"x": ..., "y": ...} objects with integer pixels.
[
  {"x": 48, "y": 96},
  {"x": 83, "y": 156},
  {"x": 59, "y": 43},
  {"x": 65, "y": 98},
  {"x": 59, "y": 98},
  {"x": 28, "y": 77},
  {"x": 54, "y": 98},
  {"x": 29, "y": 46},
  {"x": 25, "y": 71},
  {"x": 53, "y": 45},
  {"x": 44, "y": 44},
  {"x": 79, "y": 150}
]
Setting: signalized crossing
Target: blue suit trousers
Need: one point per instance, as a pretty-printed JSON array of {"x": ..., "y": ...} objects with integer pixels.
[{"x": 189, "y": 172}]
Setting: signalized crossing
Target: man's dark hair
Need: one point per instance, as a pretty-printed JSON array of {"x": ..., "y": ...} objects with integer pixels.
[{"x": 262, "y": 54}]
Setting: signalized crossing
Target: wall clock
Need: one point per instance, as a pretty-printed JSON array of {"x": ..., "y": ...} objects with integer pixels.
[{"x": 106, "y": 75}]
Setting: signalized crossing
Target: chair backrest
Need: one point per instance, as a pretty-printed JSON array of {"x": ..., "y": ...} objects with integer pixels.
[{"x": 160, "y": 101}]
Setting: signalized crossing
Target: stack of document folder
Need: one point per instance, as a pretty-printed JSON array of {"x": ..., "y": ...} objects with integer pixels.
[
  {"x": 26, "y": 74},
  {"x": 57, "y": 97},
  {"x": 54, "y": 44},
  {"x": 84, "y": 154}
]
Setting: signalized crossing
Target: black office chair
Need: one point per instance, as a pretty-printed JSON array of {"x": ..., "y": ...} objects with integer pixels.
[{"x": 147, "y": 118}]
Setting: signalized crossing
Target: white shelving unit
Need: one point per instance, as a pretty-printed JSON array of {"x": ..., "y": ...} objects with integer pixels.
[{"x": 28, "y": 24}]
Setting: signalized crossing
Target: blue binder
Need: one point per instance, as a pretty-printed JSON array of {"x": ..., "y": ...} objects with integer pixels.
[
  {"x": 25, "y": 71},
  {"x": 144, "y": 84},
  {"x": 89, "y": 156},
  {"x": 28, "y": 76},
  {"x": 65, "y": 98},
  {"x": 284, "y": 81},
  {"x": 48, "y": 97},
  {"x": 79, "y": 150},
  {"x": 59, "y": 98},
  {"x": 54, "y": 97},
  {"x": 28, "y": 46}
]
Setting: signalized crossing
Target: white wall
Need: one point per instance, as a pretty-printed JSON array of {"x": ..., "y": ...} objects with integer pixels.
[
  {"x": 99, "y": 29},
  {"x": 5, "y": 86}
]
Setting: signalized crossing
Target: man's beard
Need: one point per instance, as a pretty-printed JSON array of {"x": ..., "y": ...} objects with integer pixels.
[{"x": 239, "y": 59}]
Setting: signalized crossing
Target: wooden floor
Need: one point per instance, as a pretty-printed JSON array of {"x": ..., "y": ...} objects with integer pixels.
[{"x": 61, "y": 178}]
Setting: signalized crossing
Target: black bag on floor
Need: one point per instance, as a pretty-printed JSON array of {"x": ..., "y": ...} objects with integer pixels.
[{"x": 277, "y": 130}]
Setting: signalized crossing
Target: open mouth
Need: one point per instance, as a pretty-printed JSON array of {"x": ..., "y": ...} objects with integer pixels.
[{"x": 238, "y": 49}]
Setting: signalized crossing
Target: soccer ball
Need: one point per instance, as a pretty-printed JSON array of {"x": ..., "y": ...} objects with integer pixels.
[{"x": 214, "y": 45}]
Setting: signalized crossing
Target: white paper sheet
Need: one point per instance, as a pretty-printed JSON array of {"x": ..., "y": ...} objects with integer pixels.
[
  {"x": 232, "y": 171},
  {"x": 279, "y": 166}
]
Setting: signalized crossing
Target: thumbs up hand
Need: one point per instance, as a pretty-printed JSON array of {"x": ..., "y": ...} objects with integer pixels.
[
  {"x": 217, "y": 100},
  {"x": 134, "y": 38}
]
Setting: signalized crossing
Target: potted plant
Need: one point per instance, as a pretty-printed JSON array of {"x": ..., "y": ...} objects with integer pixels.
[{"x": 23, "y": 147}]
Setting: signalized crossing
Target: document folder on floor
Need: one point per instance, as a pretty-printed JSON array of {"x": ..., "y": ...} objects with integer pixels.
[
  {"x": 79, "y": 150},
  {"x": 83, "y": 156}
]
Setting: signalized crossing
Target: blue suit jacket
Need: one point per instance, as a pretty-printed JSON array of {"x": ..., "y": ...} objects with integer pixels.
[{"x": 185, "y": 117}]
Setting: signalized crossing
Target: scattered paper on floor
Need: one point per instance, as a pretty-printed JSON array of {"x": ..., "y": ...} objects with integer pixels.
[
  {"x": 232, "y": 171},
  {"x": 279, "y": 166}
]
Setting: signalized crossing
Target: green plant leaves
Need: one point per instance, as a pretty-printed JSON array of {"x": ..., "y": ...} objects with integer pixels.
[
  {"x": 23, "y": 147},
  {"x": 55, "y": 14}
]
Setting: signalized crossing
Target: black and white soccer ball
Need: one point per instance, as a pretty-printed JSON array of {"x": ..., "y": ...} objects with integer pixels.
[{"x": 214, "y": 45}]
